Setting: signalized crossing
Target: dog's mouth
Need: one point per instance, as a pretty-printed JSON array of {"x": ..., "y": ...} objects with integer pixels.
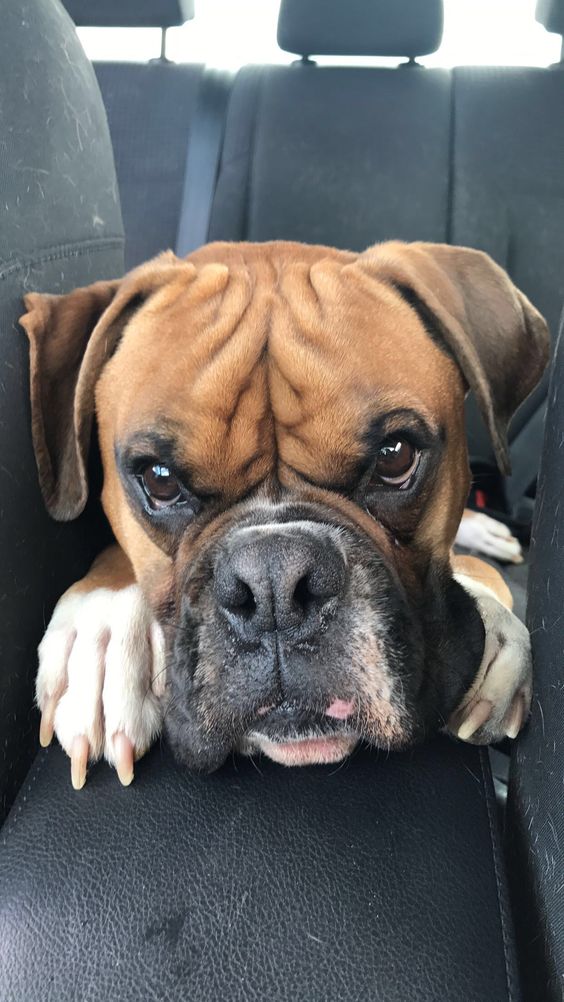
[{"x": 298, "y": 735}]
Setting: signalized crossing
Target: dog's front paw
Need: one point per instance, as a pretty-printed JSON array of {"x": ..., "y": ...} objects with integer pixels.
[
  {"x": 101, "y": 679},
  {"x": 486, "y": 535},
  {"x": 498, "y": 703}
]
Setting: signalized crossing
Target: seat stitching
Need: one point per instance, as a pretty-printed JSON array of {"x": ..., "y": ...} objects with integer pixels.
[
  {"x": 13, "y": 816},
  {"x": 62, "y": 251},
  {"x": 512, "y": 996}
]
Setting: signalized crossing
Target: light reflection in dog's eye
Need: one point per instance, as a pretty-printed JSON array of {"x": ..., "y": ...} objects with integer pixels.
[
  {"x": 161, "y": 486},
  {"x": 396, "y": 461}
]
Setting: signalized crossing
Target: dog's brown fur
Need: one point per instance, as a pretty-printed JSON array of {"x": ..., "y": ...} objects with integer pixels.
[{"x": 274, "y": 360}]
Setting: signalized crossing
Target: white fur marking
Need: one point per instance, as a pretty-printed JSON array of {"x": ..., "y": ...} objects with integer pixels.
[
  {"x": 505, "y": 674},
  {"x": 103, "y": 654},
  {"x": 488, "y": 536}
]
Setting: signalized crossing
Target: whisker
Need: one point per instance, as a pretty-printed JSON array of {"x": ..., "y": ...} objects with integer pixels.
[{"x": 255, "y": 766}]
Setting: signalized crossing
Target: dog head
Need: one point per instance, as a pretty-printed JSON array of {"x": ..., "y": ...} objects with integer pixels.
[{"x": 282, "y": 435}]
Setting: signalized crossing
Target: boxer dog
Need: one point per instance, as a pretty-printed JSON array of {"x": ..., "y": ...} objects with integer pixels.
[{"x": 281, "y": 429}]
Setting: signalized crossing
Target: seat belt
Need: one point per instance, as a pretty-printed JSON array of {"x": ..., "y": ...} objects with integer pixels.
[
  {"x": 525, "y": 454},
  {"x": 202, "y": 161}
]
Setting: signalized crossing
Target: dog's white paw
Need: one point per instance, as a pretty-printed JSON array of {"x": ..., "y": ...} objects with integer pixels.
[
  {"x": 101, "y": 679},
  {"x": 498, "y": 703},
  {"x": 488, "y": 536}
]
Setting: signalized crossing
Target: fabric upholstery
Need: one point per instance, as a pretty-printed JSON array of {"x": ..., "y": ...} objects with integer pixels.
[
  {"x": 61, "y": 227},
  {"x": 336, "y": 156},
  {"x": 150, "y": 110},
  {"x": 508, "y": 187}
]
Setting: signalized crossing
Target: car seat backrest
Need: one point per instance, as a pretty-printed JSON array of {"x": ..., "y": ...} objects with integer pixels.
[
  {"x": 150, "y": 108},
  {"x": 61, "y": 228},
  {"x": 349, "y": 156},
  {"x": 340, "y": 155},
  {"x": 508, "y": 183}
]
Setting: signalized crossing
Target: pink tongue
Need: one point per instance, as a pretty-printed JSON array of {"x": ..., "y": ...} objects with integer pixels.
[{"x": 340, "y": 708}]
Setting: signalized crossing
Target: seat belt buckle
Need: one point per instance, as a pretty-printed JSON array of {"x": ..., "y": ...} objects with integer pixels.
[{"x": 488, "y": 495}]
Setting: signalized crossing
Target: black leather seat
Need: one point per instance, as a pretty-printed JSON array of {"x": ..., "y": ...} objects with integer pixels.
[{"x": 382, "y": 879}]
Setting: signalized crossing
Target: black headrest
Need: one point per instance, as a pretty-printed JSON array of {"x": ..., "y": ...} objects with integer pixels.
[
  {"x": 129, "y": 13},
  {"x": 360, "y": 27},
  {"x": 551, "y": 14}
]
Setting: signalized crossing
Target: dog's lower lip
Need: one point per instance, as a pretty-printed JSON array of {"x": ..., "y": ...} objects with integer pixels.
[{"x": 308, "y": 751}]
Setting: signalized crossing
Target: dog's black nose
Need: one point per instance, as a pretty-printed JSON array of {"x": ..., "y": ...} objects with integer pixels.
[{"x": 280, "y": 578}]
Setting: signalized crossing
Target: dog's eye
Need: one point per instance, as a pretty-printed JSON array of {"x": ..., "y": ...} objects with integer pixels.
[
  {"x": 160, "y": 485},
  {"x": 396, "y": 461}
]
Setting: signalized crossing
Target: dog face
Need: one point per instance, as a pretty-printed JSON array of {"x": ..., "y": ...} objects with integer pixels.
[{"x": 282, "y": 435}]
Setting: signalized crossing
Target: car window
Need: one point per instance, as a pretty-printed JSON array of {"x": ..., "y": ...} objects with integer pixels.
[{"x": 230, "y": 34}]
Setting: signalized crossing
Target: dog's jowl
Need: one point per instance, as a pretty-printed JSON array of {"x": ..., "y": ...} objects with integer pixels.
[{"x": 285, "y": 468}]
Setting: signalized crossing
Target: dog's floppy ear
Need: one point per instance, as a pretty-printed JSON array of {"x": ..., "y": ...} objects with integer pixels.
[
  {"x": 498, "y": 338},
  {"x": 71, "y": 337}
]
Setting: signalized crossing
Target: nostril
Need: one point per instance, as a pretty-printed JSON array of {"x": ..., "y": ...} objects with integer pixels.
[
  {"x": 278, "y": 581},
  {"x": 302, "y": 593},
  {"x": 315, "y": 589},
  {"x": 241, "y": 600}
]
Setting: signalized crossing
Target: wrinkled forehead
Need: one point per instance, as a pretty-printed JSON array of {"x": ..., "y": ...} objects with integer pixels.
[{"x": 282, "y": 356}]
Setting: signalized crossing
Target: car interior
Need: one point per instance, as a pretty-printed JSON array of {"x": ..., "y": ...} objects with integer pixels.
[{"x": 431, "y": 874}]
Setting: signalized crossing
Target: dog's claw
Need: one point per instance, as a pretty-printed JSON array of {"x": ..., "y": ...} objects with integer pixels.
[
  {"x": 79, "y": 761},
  {"x": 515, "y": 717},
  {"x": 477, "y": 716},
  {"x": 497, "y": 704},
  {"x": 124, "y": 756},
  {"x": 47, "y": 723},
  {"x": 97, "y": 661}
]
